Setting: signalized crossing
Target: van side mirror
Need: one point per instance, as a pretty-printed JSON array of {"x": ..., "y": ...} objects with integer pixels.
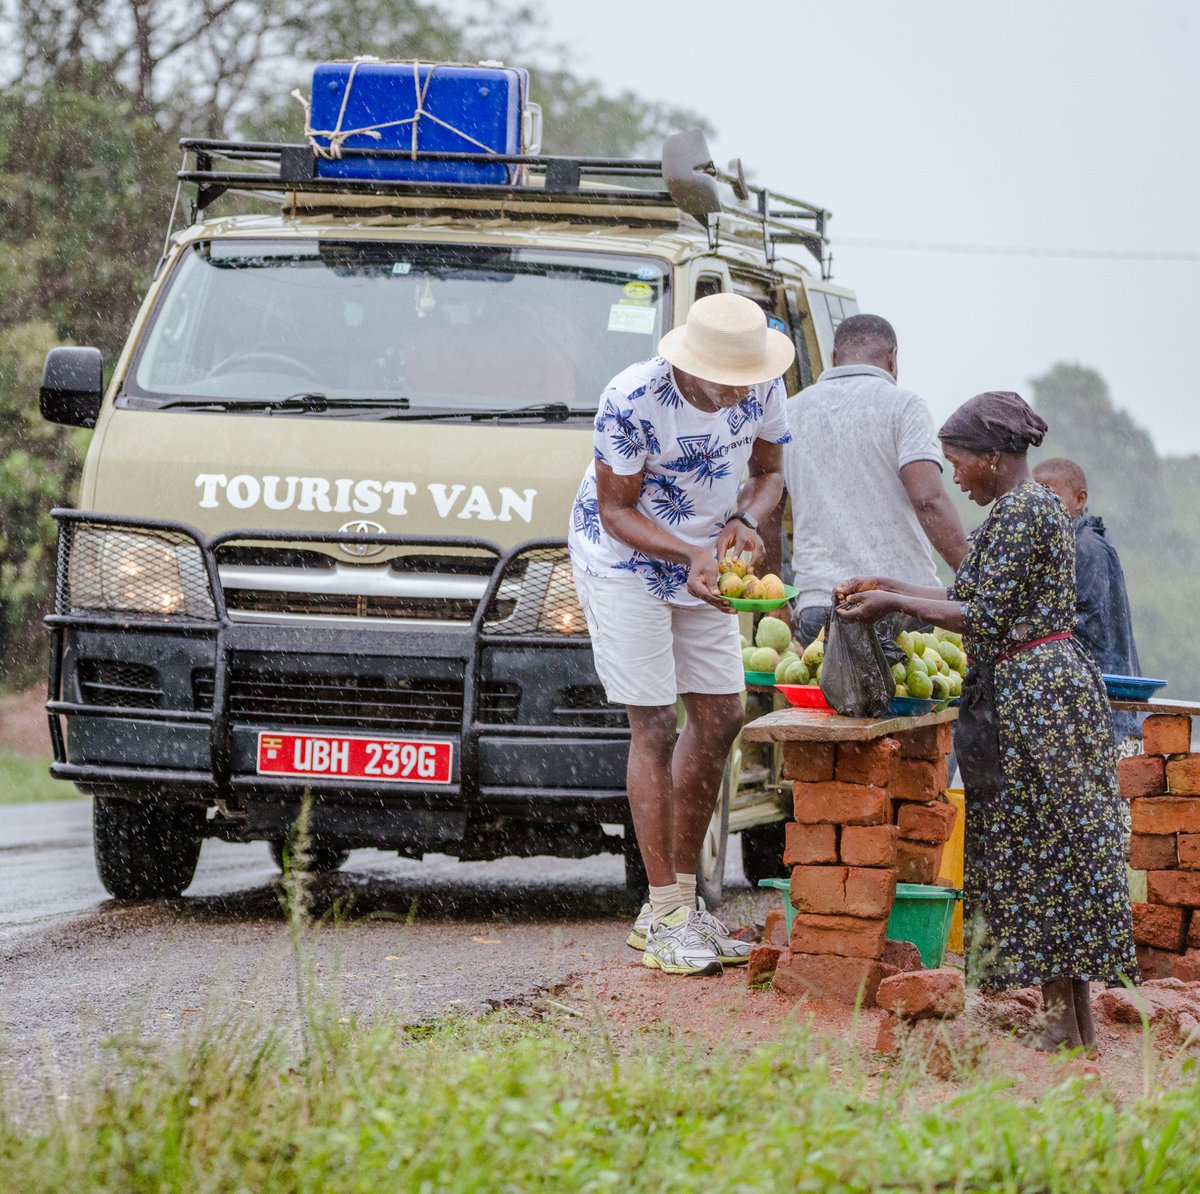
[{"x": 72, "y": 386}]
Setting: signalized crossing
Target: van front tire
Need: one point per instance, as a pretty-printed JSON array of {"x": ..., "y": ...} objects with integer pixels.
[{"x": 145, "y": 851}]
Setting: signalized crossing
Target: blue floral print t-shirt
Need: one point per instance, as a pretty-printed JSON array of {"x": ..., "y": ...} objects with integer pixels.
[{"x": 692, "y": 463}]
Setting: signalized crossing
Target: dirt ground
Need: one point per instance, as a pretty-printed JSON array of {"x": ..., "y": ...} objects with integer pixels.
[
  {"x": 725, "y": 1013},
  {"x": 23, "y": 728}
]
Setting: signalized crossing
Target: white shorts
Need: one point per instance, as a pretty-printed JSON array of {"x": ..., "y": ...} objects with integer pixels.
[{"x": 648, "y": 652}]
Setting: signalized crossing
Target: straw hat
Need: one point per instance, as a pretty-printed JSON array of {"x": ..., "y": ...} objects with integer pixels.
[{"x": 726, "y": 340}]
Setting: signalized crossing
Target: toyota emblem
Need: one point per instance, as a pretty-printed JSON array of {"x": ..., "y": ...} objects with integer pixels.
[{"x": 362, "y": 526}]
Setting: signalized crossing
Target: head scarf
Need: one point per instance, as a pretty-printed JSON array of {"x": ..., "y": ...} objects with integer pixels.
[{"x": 998, "y": 421}]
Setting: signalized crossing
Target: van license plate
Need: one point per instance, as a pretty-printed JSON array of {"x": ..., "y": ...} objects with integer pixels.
[{"x": 345, "y": 756}]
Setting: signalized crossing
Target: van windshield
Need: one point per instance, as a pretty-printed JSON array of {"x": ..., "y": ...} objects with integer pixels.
[{"x": 396, "y": 326}]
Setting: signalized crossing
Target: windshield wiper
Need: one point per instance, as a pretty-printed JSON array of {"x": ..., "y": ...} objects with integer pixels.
[
  {"x": 550, "y": 412},
  {"x": 312, "y": 402}
]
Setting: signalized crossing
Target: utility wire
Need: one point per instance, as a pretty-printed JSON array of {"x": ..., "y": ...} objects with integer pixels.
[{"x": 924, "y": 246}]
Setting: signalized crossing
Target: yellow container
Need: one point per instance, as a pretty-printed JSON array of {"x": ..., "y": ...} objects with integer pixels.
[{"x": 952, "y": 866}]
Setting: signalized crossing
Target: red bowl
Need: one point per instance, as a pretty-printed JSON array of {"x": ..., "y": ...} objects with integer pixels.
[{"x": 805, "y": 696}]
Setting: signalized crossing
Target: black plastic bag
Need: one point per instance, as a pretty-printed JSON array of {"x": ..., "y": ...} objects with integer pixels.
[
  {"x": 977, "y": 732},
  {"x": 855, "y": 677}
]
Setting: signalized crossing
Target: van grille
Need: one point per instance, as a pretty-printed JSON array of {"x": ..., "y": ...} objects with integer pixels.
[
  {"x": 585, "y": 705},
  {"x": 260, "y": 696},
  {"x": 349, "y": 605},
  {"x": 123, "y": 685}
]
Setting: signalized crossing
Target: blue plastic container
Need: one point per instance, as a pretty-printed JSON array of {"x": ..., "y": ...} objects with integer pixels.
[{"x": 482, "y": 106}]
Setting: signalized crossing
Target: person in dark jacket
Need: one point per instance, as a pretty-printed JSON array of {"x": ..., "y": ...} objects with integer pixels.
[{"x": 1102, "y": 618}]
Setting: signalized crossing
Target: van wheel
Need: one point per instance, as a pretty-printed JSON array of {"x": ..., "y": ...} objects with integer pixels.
[
  {"x": 762, "y": 852},
  {"x": 145, "y": 851},
  {"x": 710, "y": 867},
  {"x": 319, "y": 860}
]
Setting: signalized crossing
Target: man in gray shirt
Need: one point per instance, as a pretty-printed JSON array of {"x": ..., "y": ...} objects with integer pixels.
[{"x": 864, "y": 471}]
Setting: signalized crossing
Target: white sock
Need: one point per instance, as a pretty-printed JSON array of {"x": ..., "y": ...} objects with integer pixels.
[
  {"x": 687, "y": 889},
  {"x": 664, "y": 901}
]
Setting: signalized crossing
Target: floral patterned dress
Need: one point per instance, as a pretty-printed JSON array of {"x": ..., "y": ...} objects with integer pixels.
[{"x": 1046, "y": 891}]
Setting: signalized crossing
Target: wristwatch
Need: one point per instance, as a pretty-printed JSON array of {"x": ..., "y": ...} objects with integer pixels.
[{"x": 748, "y": 519}]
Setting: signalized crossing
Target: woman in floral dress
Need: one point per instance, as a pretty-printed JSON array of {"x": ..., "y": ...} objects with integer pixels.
[{"x": 1047, "y": 899}]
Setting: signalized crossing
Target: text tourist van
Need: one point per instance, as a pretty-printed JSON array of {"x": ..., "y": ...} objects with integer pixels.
[{"x": 320, "y": 544}]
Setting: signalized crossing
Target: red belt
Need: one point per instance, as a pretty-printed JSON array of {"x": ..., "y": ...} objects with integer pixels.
[{"x": 1034, "y": 642}]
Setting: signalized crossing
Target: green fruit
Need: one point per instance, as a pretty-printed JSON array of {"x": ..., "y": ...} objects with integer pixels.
[
  {"x": 918, "y": 645},
  {"x": 950, "y": 636},
  {"x": 785, "y": 662},
  {"x": 744, "y": 641},
  {"x": 764, "y": 659},
  {"x": 933, "y": 661},
  {"x": 747, "y": 655},
  {"x": 917, "y": 664},
  {"x": 905, "y": 640},
  {"x": 955, "y": 684},
  {"x": 773, "y": 633},
  {"x": 901, "y": 690},
  {"x": 899, "y": 671},
  {"x": 795, "y": 673},
  {"x": 919, "y": 685},
  {"x": 941, "y": 687},
  {"x": 814, "y": 655},
  {"x": 931, "y": 640}
]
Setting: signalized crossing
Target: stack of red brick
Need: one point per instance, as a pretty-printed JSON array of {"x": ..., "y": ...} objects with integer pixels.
[
  {"x": 867, "y": 814},
  {"x": 1163, "y": 786}
]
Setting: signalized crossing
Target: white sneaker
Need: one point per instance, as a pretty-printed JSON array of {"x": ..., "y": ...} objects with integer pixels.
[
  {"x": 730, "y": 951},
  {"x": 641, "y": 929},
  {"x": 675, "y": 946}
]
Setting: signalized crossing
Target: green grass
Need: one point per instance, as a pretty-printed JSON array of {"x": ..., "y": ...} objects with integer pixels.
[
  {"x": 23, "y": 778},
  {"x": 507, "y": 1104}
]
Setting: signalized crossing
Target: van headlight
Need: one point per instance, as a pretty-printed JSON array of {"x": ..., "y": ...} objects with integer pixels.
[
  {"x": 561, "y": 612},
  {"x": 138, "y": 572}
]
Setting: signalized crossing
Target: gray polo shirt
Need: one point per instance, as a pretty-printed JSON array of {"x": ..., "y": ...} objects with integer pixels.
[{"x": 852, "y": 433}]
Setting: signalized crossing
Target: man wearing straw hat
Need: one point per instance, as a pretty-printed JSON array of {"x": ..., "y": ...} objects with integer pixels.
[{"x": 663, "y": 500}]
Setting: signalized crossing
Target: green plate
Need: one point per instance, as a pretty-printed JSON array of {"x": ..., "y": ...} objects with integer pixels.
[
  {"x": 767, "y": 679},
  {"x": 763, "y": 605}
]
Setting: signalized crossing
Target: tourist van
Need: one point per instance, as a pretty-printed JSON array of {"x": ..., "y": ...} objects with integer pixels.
[{"x": 319, "y": 552}]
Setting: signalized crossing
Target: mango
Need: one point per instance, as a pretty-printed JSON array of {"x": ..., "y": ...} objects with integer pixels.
[
  {"x": 772, "y": 587},
  {"x": 899, "y": 671},
  {"x": 814, "y": 655},
  {"x": 795, "y": 673},
  {"x": 764, "y": 659},
  {"x": 731, "y": 564},
  {"x": 747, "y": 655},
  {"x": 730, "y": 585},
  {"x": 773, "y": 633},
  {"x": 919, "y": 685}
]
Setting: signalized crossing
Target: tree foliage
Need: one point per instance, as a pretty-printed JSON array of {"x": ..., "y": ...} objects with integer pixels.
[{"x": 1151, "y": 506}]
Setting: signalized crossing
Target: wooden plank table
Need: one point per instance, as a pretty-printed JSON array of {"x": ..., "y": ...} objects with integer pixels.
[
  {"x": 823, "y": 725},
  {"x": 1158, "y": 705}
]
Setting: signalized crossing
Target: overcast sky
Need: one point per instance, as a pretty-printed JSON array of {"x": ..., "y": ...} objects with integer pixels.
[{"x": 1036, "y": 124}]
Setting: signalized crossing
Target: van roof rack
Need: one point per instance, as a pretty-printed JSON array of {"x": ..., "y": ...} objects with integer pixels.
[{"x": 686, "y": 171}]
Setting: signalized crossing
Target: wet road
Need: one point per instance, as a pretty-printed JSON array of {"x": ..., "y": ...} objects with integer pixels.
[{"x": 388, "y": 935}]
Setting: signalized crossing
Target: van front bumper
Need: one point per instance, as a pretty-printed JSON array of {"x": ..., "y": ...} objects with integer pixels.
[{"x": 170, "y": 707}]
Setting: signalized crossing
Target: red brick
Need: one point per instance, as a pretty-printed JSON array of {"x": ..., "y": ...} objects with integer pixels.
[
  {"x": 867, "y": 762},
  {"x": 1193, "y": 933},
  {"x": 1183, "y": 775},
  {"x": 808, "y": 845},
  {"x": 1188, "y": 854},
  {"x": 930, "y": 742},
  {"x": 1173, "y": 887},
  {"x": 775, "y": 928},
  {"x": 927, "y": 822},
  {"x": 808, "y": 762},
  {"x": 1154, "y": 963},
  {"x": 924, "y": 994},
  {"x": 918, "y": 779},
  {"x": 869, "y": 845},
  {"x": 917, "y": 862},
  {"x": 763, "y": 961},
  {"x": 846, "y": 936},
  {"x": 901, "y": 956},
  {"x": 1165, "y": 814},
  {"x": 1186, "y": 968},
  {"x": 1141, "y": 775},
  {"x": 841, "y": 804},
  {"x": 826, "y": 976},
  {"x": 1153, "y": 852},
  {"x": 845, "y": 891},
  {"x": 1167, "y": 734},
  {"x": 1160, "y": 926}
]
